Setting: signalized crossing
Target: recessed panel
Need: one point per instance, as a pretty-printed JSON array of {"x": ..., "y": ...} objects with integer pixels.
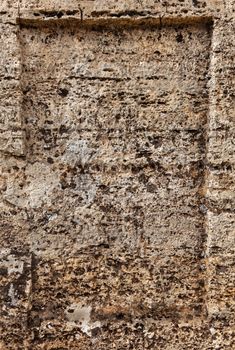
[{"x": 115, "y": 121}]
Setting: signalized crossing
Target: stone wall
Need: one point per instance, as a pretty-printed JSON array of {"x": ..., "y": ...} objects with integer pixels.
[{"x": 117, "y": 175}]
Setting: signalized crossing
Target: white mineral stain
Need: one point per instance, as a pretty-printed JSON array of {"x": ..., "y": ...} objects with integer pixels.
[
  {"x": 14, "y": 265},
  {"x": 12, "y": 295},
  {"x": 78, "y": 313},
  {"x": 78, "y": 151}
]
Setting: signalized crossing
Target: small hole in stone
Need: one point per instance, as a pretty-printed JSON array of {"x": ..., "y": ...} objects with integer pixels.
[
  {"x": 60, "y": 14},
  {"x": 120, "y": 316},
  {"x": 63, "y": 92},
  {"x": 179, "y": 38},
  {"x": 50, "y": 160},
  {"x": 71, "y": 311}
]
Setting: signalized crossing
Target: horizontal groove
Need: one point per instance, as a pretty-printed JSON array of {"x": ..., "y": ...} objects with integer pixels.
[{"x": 44, "y": 20}]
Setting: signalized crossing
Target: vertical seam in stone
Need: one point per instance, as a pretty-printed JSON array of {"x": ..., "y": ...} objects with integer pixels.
[
  {"x": 20, "y": 83},
  {"x": 211, "y": 110},
  {"x": 27, "y": 335}
]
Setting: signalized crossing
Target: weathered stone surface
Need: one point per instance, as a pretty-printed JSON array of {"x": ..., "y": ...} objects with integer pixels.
[{"x": 117, "y": 175}]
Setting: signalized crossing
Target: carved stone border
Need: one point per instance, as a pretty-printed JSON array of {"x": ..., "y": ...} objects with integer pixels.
[{"x": 62, "y": 19}]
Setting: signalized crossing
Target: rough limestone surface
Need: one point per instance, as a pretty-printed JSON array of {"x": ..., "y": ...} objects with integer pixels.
[{"x": 117, "y": 176}]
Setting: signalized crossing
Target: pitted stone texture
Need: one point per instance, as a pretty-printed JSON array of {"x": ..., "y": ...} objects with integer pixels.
[
  {"x": 15, "y": 287},
  {"x": 114, "y": 139},
  {"x": 11, "y": 131},
  {"x": 134, "y": 298},
  {"x": 221, "y": 182},
  {"x": 117, "y": 218},
  {"x": 128, "y": 8}
]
